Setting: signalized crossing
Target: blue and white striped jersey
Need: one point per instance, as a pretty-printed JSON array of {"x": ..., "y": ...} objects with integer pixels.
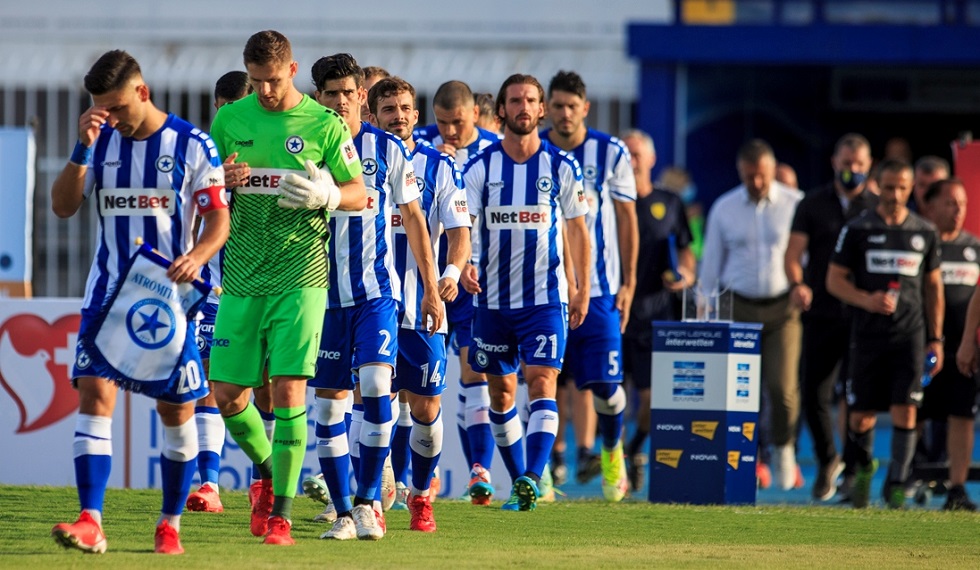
[
  {"x": 607, "y": 176},
  {"x": 147, "y": 189},
  {"x": 444, "y": 204},
  {"x": 361, "y": 254},
  {"x": 521, "y": 240}
]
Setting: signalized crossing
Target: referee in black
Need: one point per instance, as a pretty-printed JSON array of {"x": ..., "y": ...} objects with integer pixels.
[{"x": 886, "y": 265}]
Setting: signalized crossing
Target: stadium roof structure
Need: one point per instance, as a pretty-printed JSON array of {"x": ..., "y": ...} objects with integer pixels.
[{"x": 188, "y": 44}]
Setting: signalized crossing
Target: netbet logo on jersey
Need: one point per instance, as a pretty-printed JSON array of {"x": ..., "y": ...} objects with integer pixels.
[
  {"x": 137, "y": 201},
  {"x": 372, "y": 209},
  {"x": 518, "y": 218},
  {"x": 960, "y": 273},
  {"x": 893, "y": 261}
]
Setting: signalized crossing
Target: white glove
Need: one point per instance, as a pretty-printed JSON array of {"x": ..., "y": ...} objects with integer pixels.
[{"x": 319, "y": 191}]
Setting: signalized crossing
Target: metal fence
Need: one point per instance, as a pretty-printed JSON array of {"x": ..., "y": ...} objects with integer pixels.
[{"x": 63, "y": 249}]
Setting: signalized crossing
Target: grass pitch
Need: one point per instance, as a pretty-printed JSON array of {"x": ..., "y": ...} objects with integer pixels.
[{"x": 566, "y": 534}]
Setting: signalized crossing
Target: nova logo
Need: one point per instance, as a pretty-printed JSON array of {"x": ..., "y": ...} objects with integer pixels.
[
  {"x": 669, "y": 457},
  {"x": 703, "y": 457},
  {"x": 670, "y": 427},
  {"x": 733, "y": 459},
  {"x": 704, "y": 429}
]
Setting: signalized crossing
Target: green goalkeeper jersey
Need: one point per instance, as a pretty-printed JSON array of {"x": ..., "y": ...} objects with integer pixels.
[{"x": 272, "y": 249}]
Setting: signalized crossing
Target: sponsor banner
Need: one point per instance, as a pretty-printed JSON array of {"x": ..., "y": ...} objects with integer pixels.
[{"x": 17, "y": 154}]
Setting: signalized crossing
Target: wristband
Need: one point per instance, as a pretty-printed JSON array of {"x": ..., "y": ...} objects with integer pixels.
[
  {"x": 451, "y": 272},
  {"x": 939, "y": 339},
  {"x": 81, "y": 154}
]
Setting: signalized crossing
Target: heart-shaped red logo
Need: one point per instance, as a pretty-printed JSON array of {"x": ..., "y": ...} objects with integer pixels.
[{"x": 36, "y": 358}]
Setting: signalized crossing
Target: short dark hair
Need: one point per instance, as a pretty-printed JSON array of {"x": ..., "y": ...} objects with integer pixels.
[
  {"x": 268, "y": 46},
  {"x": 892, "y": 165},
  {"x": 336, "y": 66},
  {"x": 937, "y": 187},
  {"x": 569, "y": 82},
  {"x": 516, "y": 79},
  {"x": 852, "y": 141},
  {"x": 375, "y": 71},
  {"x": 232, "y": 86},
  {"x": 485, "y": 102},
  {"x": 388, "y": 87},
  {"x": 754, "y": 150},
  {"x": 110, "y": 72},
  {"x": 930, "y": 164},
  {"x": 452, "y": 95}
]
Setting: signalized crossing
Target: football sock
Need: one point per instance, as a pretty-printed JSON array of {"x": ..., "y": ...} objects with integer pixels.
[
  {"x": 610, "y": 403},
  {"x": 177, "y": 469},
  {"x": 859, "y": 446},
  {"x": 353, "y": 436},
  {"x": 903, "y": 449},
  {"x": 426, "y": 444},
  {"x": 269, "y": 422},
  {"x": 375, "y": 435},
  {"x": 478, "y": 432},
  {"x": 399, "y": 443},
  {"x": 288, "y": 449},
  {"x": 507, "y": 434},
  {"x": 93, "y": 461},
  {"x": 210, "y": 439},
  {"x": 464, "y": 439},
  {"x": 542, "y": 427},
  {"x": 333, "y": 450},
  {"x": 247, "y": 430}
]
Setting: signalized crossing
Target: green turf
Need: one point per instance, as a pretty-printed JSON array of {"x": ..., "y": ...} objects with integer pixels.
[{"x": 567, "y": 534}]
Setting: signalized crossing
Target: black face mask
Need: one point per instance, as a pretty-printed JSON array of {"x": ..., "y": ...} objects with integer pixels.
[{"x": 850, "y": 180}]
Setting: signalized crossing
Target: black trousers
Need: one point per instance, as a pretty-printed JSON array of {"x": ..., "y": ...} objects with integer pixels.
[{"x": 824, "y": 355}]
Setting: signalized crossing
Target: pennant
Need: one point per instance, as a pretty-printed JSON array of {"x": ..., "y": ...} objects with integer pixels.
[{"x": 144, "y": 337}]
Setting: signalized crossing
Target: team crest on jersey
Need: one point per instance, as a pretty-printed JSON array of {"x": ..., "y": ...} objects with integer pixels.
[
  {"x": 969, "y": 254},
  {"x": 165, "y": 163},
  {"x": 203, "y": 200},
  {"x": 589, "y": 172},
  {"x": 295, "y": 144},
  {"x": 369, "y": 165},
  {"x": 144, "y": 321},
  {"x": 659, "y": 210},
  {"x": 421, "y": 183},
  {"x": 83, "y": 360},
  {"x": 918, "y": 242},
  {"x": 544, "y": 184}
]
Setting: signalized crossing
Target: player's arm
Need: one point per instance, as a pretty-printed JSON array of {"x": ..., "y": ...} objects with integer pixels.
[
  {"x": 935, "y": 307},
  {"x": 839, "y": 285},
  {"x": 628, "y": 233},
  {"x": 578, "y": 242},
  {"x": 413, "y": 220},
  {"x": 713, "y": 252},
  {"x": 187, "y": 267},
  {"x": 68, "y": 190},
  {"x": 966, "y": 355},
  {"x": 457, "y": 256},
  {"x": 800, "y": 294}
]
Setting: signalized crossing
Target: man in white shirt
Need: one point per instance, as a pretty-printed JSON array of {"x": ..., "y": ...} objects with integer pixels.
[{"x": 748, "y": 230}]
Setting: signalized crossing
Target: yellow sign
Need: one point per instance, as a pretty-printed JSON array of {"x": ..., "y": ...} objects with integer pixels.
[
  {"x": 708, "y": 12},
  {"x": 669, "y": 457},
  {"x": 704, "y": 429},
  {"x": 748, "y": 430},
  {"x": 733, "y": 457}
]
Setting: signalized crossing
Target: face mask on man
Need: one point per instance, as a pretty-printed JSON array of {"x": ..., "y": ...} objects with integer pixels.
[{"x": 850, "y": 180}]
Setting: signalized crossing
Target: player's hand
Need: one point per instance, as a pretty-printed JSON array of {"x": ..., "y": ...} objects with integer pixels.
[
  {"x": 578, "y": 308},
  {"x": 448, "y": 149},
  {"x": 672, "y": 283},
  {"x": 448, "y": 290},
  {"x": 937, "y": 348},
  {"x": 880, "y": 302},
  {"x": 801, "y": 297},
  {"x": 966, "y": 356},
  {"x": 319, "y": 191},
  {"x": 624, "y": 302},
  {"x": 236, "y": 173},
  {"x": 432, "y": 311},
  {"x": 184, "y": 269},
  {"x": 89, "y": 123},
  {"x": 470, "y": 278}
]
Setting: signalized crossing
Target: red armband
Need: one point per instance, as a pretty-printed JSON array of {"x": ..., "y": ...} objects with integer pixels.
[{"x": 211, "y": 198}]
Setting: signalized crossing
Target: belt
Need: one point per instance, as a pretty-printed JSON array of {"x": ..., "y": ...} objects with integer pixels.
[{"x": 760, "y": 302}]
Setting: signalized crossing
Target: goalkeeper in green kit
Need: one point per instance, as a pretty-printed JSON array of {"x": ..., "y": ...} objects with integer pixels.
[{"x": 275, "y": 271}]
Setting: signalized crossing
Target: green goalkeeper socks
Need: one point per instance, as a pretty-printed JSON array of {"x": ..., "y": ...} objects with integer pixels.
[
  {"x": 248, "y": 431},
  {"x": 288, "y": 450}
]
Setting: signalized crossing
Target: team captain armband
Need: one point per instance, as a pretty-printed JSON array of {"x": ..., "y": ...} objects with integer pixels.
[{"x": 210, "y": 198}]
